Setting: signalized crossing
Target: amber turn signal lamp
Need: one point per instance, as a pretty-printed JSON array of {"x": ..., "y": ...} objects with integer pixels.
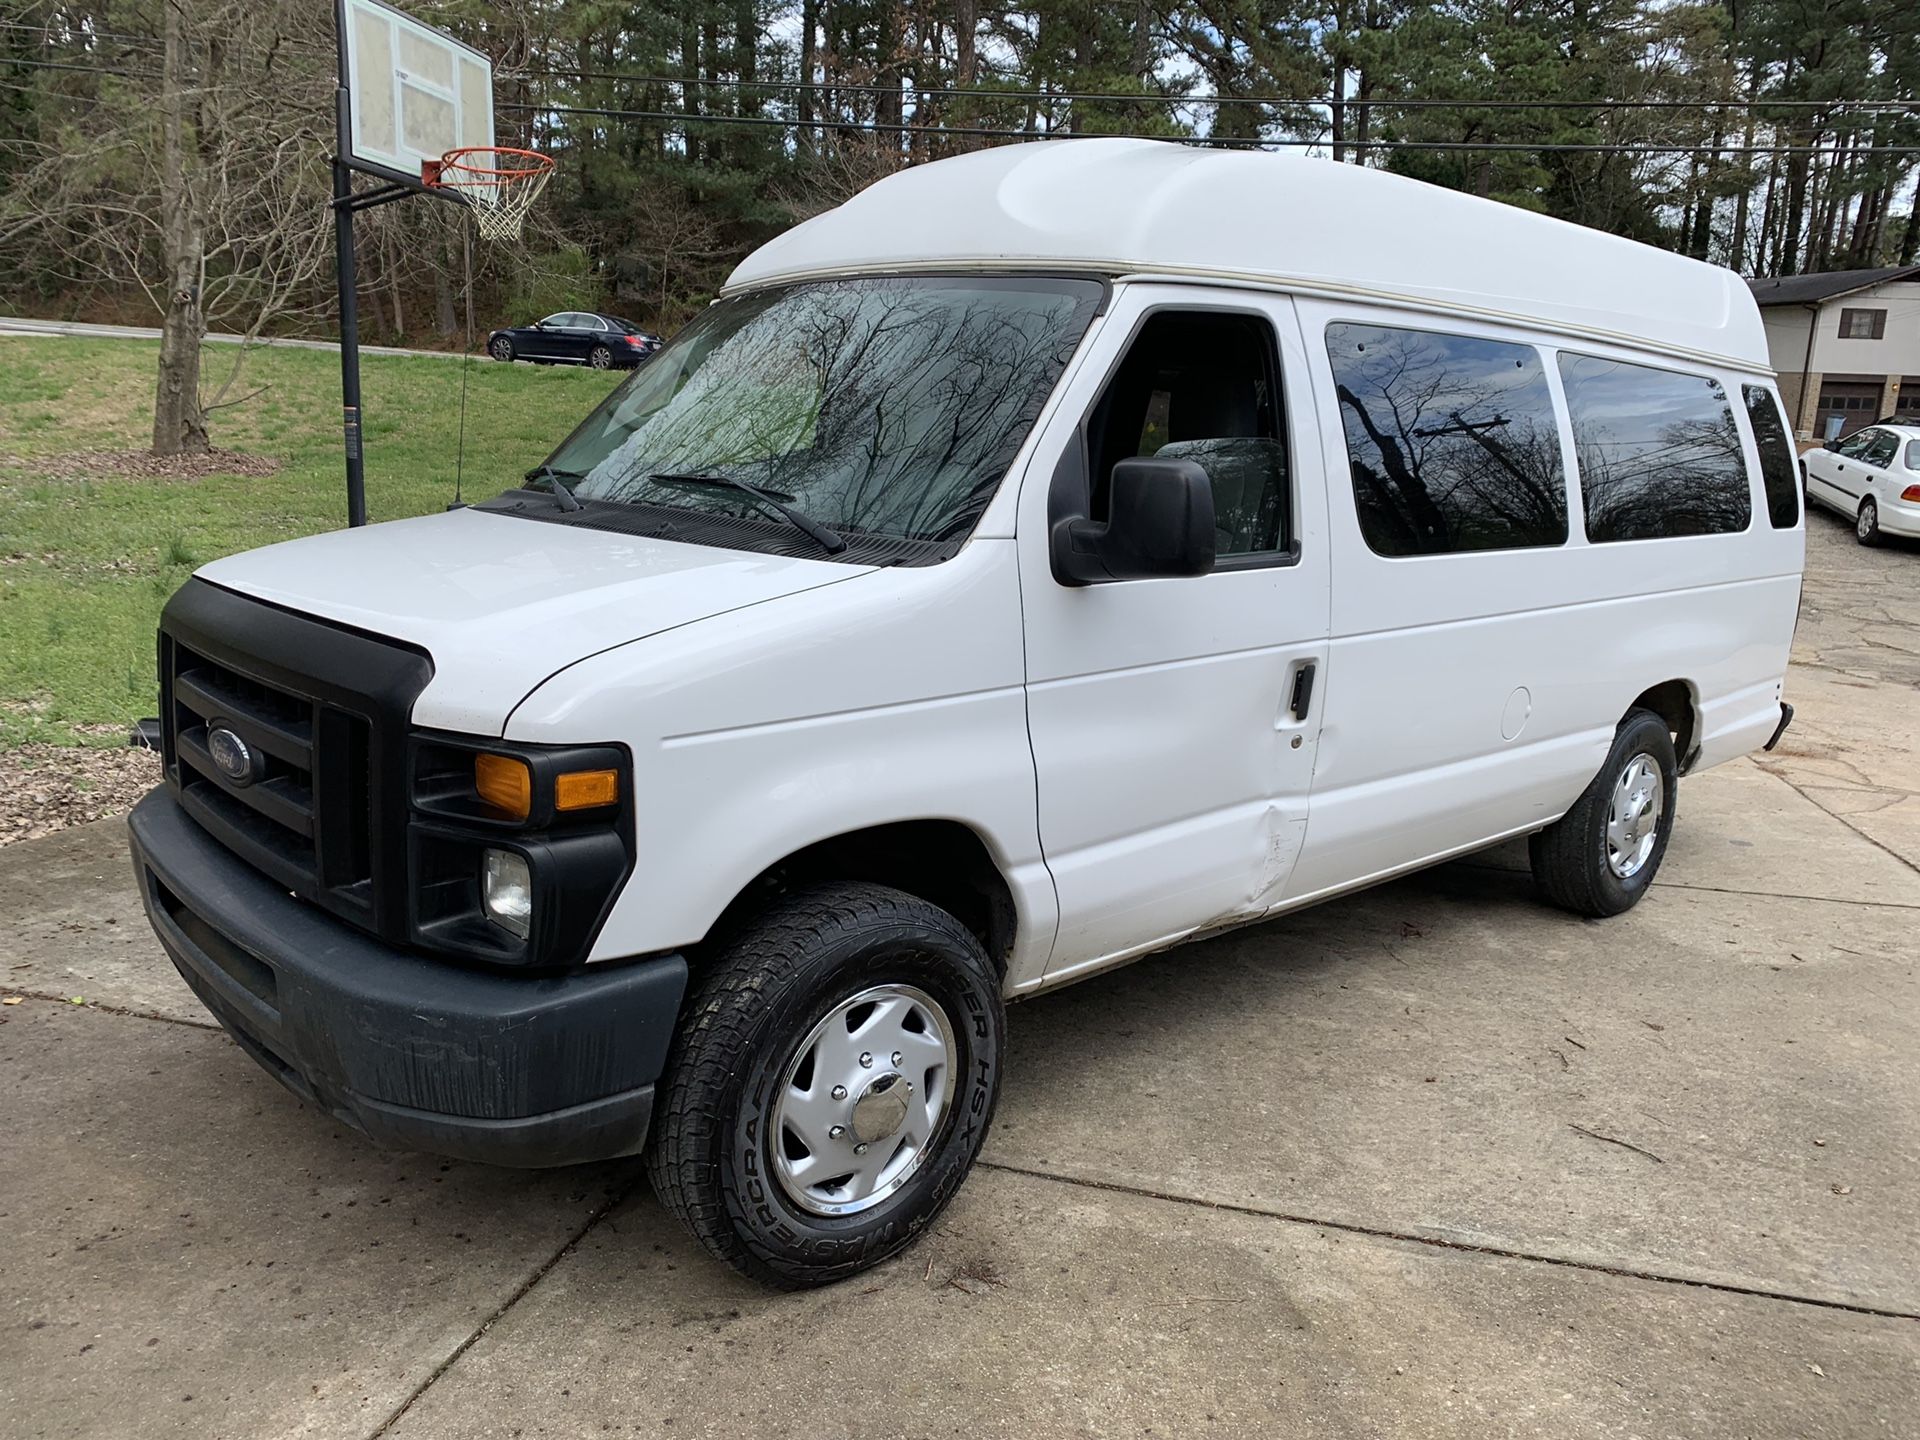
[
  {"x": 586, "y": 789},
  {"x": 504, "y": 783},
  {"x": 1912, "y": 492}
]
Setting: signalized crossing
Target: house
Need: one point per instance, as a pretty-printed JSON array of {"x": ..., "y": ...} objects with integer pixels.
[{"x": 1846, "y": 345}]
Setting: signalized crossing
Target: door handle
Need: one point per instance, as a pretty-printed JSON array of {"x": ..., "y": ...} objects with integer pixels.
[{"x": 1302, "y": 691}]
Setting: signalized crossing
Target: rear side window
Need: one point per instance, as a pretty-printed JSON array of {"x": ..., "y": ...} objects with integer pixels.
[
  {"x": 1659, "y": 455},
  {"x": 1451, "y": 441},
  {"x": 1779, "y": 471}
]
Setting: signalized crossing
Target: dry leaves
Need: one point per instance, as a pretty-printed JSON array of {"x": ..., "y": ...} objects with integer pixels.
[{"x": 44, "y": 788}]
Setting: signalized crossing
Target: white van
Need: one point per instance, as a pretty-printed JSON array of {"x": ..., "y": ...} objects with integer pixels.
[{"x": 1049, "y": 556}]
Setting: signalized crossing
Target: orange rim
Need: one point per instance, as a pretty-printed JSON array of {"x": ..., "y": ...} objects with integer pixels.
[{"x": 530, "y": 163}]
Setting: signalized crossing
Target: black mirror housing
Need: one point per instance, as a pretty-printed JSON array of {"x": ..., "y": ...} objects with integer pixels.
[{"x": 1160, "y": 523}]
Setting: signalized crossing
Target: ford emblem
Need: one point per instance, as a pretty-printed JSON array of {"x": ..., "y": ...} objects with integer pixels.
[{"x": 231, "y": 755}]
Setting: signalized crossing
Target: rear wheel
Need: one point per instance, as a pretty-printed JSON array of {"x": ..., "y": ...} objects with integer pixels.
[
  {"x": 1599, "y": 858},
  {"x": 501, "y": 348},
  {"x": 834, "y": 1076},
  {"x": 600, "y": 357},
  {"x": 1866, "y": 525}
]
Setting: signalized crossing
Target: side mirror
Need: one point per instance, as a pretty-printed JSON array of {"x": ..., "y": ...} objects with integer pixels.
[{"x": 1159, "y": 523}]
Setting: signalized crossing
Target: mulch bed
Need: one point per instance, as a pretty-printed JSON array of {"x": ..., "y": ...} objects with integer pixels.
[
  {"x": 44, "y": 788},
  {"x": 140, "y": 465}
]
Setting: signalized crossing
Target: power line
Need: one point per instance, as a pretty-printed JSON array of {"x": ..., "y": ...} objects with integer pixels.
[
  {"x": 1233, "y": 141},
  {"x": 83, "y": 69},
  {"x": 1153, "y": 98},
  {"x": 1238, "y": 142},
  {"x": 919, "y": 93}
]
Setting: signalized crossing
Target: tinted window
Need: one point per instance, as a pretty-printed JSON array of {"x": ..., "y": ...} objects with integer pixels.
[
  {"x": 1881, "y": 449},
  {"x": 1201, "y": 386},
  {"x": 1451, "y": 441},
  {"x": 1658, "y": 451},
  {"x": 1779, "y": 471},
  {"x": 1854, "y": 445}
]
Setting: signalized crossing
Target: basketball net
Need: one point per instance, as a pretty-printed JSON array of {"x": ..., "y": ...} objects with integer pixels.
[{"x": 498, "y": 184}]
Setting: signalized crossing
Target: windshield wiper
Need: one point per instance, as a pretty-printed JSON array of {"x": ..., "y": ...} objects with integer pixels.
[
  {"x": 556, "y": 481},
  {"x": 830, "y": 541}
]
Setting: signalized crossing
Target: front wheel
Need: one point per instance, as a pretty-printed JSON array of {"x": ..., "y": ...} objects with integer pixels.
[
  {"x": 501, "y": 349},
  {"x": 1866, "y": 525},
  {"x": 834, "y": 1076},
  {"x": 1599, "y": 858},
  {"x": 600, "y": 357}
]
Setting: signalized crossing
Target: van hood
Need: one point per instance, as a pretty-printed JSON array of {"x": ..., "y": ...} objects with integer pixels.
[{"x": 503, "y": 603}]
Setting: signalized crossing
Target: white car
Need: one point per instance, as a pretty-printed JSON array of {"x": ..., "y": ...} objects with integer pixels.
[
  {"x": 1051, "y": 555},
  {"x": 1872, "y": 477}
]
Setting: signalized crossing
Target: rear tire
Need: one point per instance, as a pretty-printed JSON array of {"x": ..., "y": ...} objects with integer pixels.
[
  {"x": 1599, "y": 858},
  {"x": 1866, "y": 524},
  {"x": 751, "y": 1127},
  {"x": 600, "y": 358}
]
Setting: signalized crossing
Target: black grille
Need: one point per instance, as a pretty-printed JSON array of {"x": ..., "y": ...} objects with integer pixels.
[
  {"x": 272, "y": 820},
  {"x": 325, "y": 709}
]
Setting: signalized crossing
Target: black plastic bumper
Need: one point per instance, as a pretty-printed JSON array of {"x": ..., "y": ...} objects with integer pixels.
[{"x": 508, "y": 1070}]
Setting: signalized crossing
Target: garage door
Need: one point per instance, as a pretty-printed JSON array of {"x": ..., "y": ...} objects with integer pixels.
[{"x": 1844, "y": 408}]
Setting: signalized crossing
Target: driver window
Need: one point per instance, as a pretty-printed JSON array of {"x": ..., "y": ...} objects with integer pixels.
[{"x": 1201, "y": 386}]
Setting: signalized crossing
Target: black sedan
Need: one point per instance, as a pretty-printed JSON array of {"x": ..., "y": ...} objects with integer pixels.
[{"x": 576, "y": 337}]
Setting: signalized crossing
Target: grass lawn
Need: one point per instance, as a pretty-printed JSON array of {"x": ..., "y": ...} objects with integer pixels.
[{"x": 88, "y": 556}]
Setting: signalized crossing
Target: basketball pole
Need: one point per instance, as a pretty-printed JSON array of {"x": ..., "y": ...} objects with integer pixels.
[
  {"x": 347, "y": 280},
  {"x": 349, "y": 339}
]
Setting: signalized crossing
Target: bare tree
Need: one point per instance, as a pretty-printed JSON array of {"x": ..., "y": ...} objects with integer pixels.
[{"x": 205, "y": 185}]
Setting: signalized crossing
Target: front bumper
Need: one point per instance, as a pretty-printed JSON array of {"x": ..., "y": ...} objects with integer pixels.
[{"x": 532, "y": 1070}]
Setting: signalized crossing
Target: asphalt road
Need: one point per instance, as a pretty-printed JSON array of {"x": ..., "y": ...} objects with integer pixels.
[
  {"x": 71, "y": 329},
  {"x": 1430, "y": 1161}
]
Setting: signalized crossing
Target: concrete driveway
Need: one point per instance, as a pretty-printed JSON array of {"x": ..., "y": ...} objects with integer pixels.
[{"x": 1430, "y": 1161}]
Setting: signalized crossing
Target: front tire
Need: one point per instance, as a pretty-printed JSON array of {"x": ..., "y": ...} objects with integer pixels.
[
  {"x": 1599, "y": 858},
  {"x": 1866, "y": 524},
  {"x": 836, "y": 1070},
  {"x": 501, "y": 349}
]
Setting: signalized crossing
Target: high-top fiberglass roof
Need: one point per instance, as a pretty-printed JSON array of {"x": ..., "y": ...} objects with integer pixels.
[{"x": 1125, "y": 207}]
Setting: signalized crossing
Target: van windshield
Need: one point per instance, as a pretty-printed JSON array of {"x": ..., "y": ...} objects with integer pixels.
[{"x": 883, "y": 407}]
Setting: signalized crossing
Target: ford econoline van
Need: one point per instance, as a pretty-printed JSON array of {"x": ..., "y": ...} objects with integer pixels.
[{"x": 1050, "y": 555}]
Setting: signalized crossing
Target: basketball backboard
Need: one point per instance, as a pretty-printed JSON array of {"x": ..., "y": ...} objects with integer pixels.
[{"x": 413, "y": 92}]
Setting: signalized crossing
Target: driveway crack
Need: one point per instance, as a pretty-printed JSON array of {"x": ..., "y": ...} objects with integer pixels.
[
  {"x": 600, "y": 1212},
  {"x": 1438, "y": 1243}
]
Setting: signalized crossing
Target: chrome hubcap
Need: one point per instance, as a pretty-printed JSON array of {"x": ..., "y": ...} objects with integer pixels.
[
  {"x": 1633, "y": 820},
  {"x": 1863, "y": 526},
  {"x": 862, "y": 1100}
]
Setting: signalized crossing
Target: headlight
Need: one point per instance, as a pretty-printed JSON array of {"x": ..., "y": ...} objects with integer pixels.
[
  {"x": 506, "y": 889},
  {"x": 516, "y": 851}
]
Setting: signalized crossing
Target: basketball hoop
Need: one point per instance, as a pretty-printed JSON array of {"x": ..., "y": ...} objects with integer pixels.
[{"x": 498, "y": 183}]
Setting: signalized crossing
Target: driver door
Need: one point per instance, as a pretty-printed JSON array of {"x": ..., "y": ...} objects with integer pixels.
[
  {"x": 547, "y": 339},
  {"x": 1842, "y": 473},
  {"x": 1174, "y": 721}
]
